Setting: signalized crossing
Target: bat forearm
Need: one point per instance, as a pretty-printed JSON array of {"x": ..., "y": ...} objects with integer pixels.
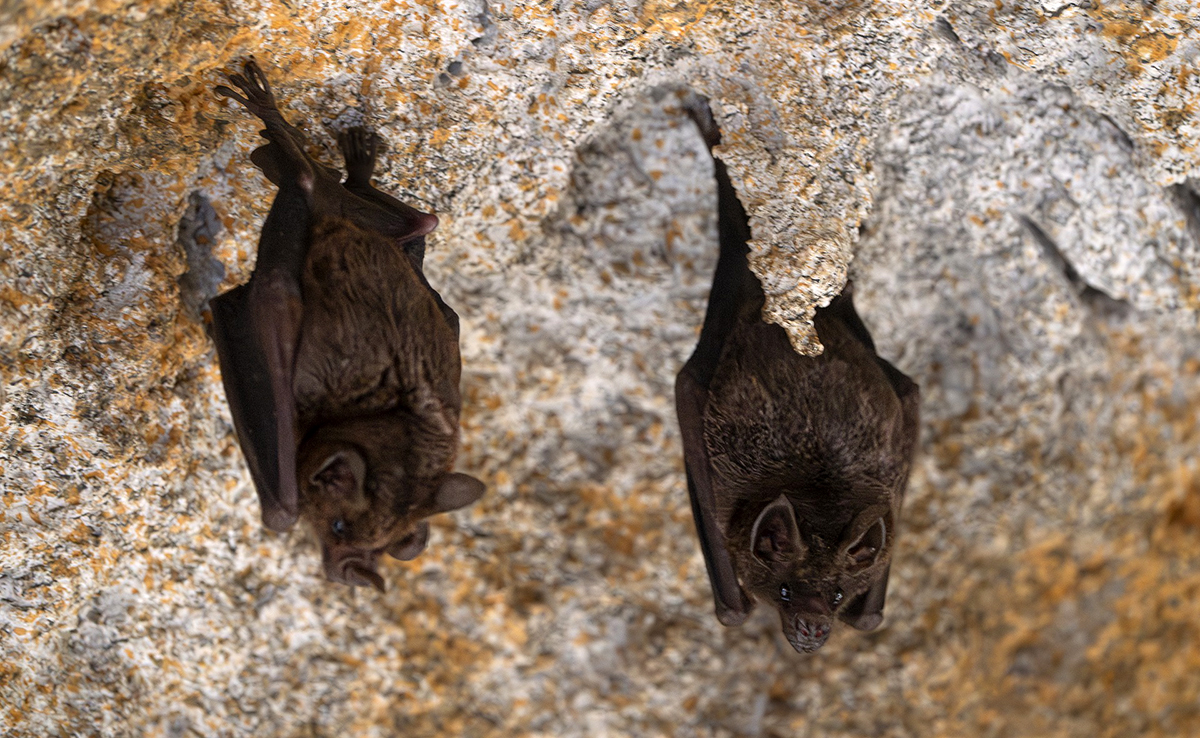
[{"x": 732, "y": 604}]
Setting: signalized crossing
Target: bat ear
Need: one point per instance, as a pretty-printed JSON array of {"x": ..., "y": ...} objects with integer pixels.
[
  {"x": 865, "y": 550},
  {"x": 411, "y": 546},
  {"x": 865, "y": 612},
  {"x": 775, "y": 538},
  {"x": 867, "y": 538},
  {"x": 456, "y": 491},
  {"x": 342, "y": 472}
]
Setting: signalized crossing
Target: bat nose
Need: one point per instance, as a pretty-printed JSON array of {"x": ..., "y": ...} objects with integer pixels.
[
  {"x": 356, "y": 573},
  {"x": 351, "y": 566},
  {"x": 816, "y": 632}
]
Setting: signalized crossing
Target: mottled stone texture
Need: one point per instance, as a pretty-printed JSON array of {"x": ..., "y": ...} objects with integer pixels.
[{"x": 1018, "y": 186}]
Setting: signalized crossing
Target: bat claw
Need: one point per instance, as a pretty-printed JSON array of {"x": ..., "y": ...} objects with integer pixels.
[
  {"x": 732, "y": 617},
  {"x": 255, "y": 73}
]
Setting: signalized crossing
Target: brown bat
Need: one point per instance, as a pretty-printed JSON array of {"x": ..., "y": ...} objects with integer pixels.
[
  {"x": 796, "y": 465},
  {"x": 339, "y": 361}
]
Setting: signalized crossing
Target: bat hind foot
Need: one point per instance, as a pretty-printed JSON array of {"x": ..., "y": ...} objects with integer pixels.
[
  {"x": 360, "y": 147},
  {"x": 255, "y": 92}
]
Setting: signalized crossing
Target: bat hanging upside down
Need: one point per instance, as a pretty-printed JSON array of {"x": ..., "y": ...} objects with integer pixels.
[
  {"x": 339, "y": 361},
  {"x": 796, "y": 465}
]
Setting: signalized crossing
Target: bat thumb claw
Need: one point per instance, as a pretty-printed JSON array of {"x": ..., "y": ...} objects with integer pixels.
[
  {"x": 279, "y": 519},
  {"x": 870, "y": 621},
  {"x": 730, "y": 617}
]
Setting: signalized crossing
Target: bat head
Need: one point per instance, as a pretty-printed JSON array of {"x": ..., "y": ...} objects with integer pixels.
[
  {"x": 358, "y": 516},
  {"x": 811, "y": 581}
]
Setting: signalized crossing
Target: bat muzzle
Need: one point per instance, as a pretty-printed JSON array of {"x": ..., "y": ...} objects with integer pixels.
[{"x": 807, "y": 636}]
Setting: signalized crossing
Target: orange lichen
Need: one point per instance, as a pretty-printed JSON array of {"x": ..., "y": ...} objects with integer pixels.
[{"x": 1133, "y": 27}]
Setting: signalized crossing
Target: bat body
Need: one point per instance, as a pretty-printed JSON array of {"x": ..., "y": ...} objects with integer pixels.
[
  {"x": 796, "y": 465},
  {"x": 340, "y": 362}
]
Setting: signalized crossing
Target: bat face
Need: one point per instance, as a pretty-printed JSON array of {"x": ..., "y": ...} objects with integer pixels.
[
  {"x": 359, "y": 513},
  {"x": 809, "y": 579},
  {"x": 334, "y": 500}
]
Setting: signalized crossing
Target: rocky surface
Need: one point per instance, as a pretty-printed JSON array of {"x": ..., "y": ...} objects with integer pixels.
[{"x": 1014, "y": 188}]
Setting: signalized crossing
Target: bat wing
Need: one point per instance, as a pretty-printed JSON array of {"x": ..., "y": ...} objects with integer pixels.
[
  {"x": 735, "y": 292},
  {"x": 256, "y": 328},
  {"x": 732, "y": 604},
  {"x": 842, "y": 308},
  {"x": 909, "y": 393},
  {"x": 866, "y": 611},
  {"x": 246, "y": 376},
  {"x": 907, "y": 390}
]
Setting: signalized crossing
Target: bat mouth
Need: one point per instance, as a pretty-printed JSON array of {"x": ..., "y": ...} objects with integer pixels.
[{"x": 807, "y": 645}]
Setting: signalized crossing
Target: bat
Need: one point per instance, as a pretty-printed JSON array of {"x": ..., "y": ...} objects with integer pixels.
[
  {"x": 796, "y": 465},
  {"x": 339, "y": 361}
]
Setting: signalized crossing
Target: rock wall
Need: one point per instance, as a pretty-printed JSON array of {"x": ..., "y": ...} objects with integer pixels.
[{"x": 1015, "y": 189}]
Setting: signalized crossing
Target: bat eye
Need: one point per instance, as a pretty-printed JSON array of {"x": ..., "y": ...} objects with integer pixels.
[
  {"x": 837, "y": 598},
  {"x": 339, "y": 528},
  {"x": 785, "y": 593}
]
